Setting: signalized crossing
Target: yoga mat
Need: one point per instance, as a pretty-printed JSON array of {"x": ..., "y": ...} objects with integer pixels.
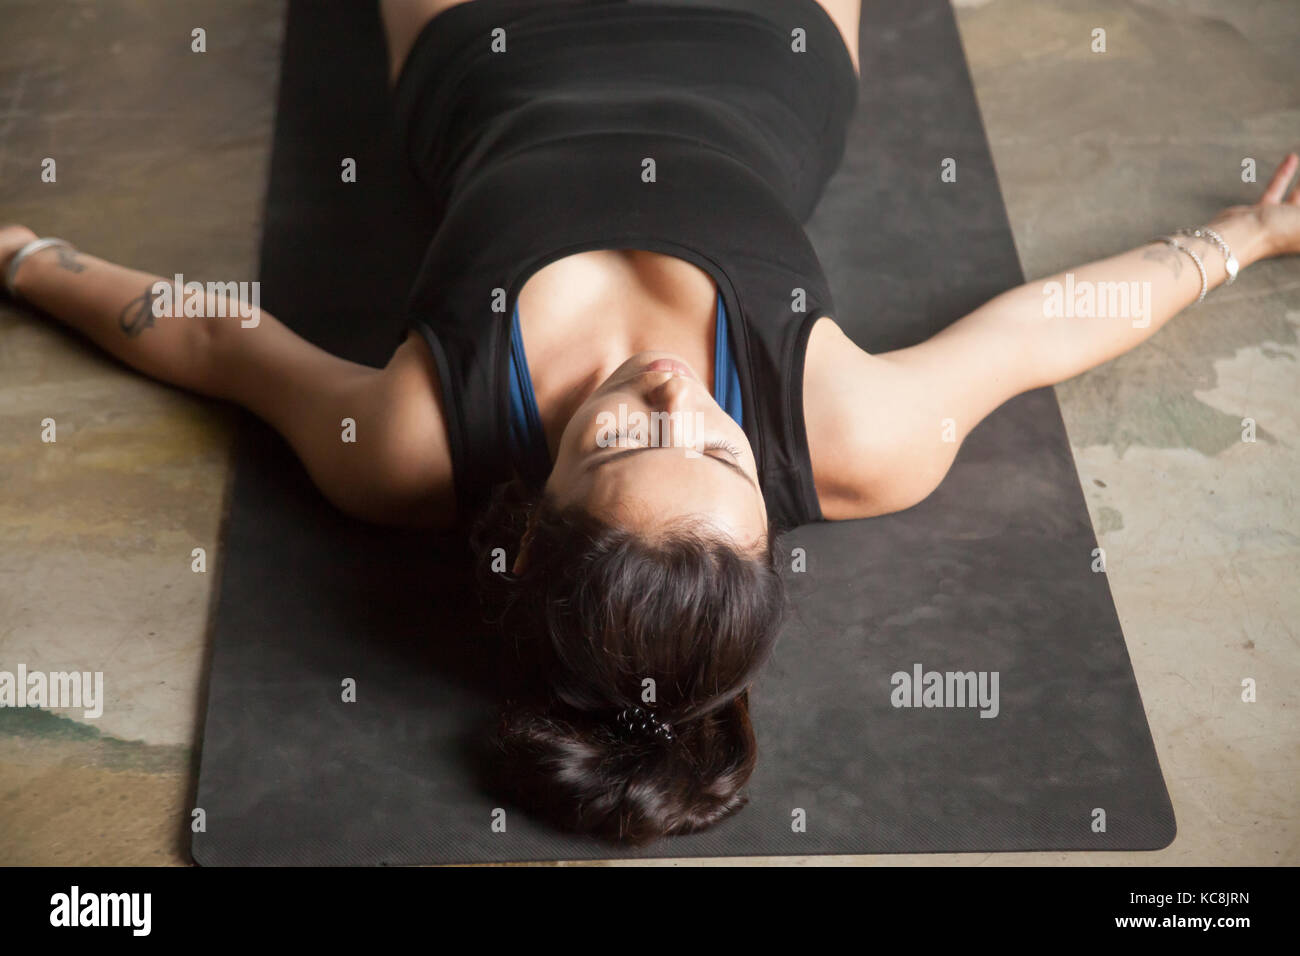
[{"x": 991, "y": 574}]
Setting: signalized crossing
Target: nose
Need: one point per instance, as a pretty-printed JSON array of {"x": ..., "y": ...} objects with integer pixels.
[{"x": 670, "y": 393}]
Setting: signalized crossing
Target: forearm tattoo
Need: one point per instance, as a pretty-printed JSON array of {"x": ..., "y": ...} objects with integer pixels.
[
  {"x": 1176, "y": 259},
  {"x": 68, "y": 260},
  {"x": 1167, "y": 254},
  {"x": 137, "y": 315}
]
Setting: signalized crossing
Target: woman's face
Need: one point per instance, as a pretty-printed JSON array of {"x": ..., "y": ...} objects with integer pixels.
[{"x": 650, "y": 445}]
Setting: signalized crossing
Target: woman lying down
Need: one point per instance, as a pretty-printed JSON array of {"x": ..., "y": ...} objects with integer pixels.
[{"x": 621, "y": 363}]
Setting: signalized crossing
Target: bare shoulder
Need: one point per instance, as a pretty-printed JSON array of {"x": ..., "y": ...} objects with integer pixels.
[
  {"x": 870, "y": 453},
  {"x": 417, "y": 452},
  {"x": 835, "y": 399}
]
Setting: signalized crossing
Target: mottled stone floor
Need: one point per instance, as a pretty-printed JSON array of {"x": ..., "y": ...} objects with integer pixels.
[{"x": 162, "y": 157}]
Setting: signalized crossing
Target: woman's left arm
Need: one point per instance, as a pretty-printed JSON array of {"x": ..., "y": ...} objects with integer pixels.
[
  {"x": 905, "y": 413},
  {"x": 395, "y": 470}
]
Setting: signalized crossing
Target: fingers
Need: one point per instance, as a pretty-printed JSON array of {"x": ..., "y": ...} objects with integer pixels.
[{"x": 1277, "y": 185}]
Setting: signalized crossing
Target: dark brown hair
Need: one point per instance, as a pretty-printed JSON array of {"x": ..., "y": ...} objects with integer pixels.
[{"x": 594, "y": 613}]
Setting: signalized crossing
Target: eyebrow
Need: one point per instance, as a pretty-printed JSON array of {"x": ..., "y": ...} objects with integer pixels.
[{"x": 616, "y": 456}]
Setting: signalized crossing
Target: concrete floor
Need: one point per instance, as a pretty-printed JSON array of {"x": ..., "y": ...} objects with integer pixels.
[{"x": 1095, "y": 153}]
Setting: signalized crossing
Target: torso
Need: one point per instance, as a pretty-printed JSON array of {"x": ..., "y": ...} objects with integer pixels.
[
  {"x": 631, "y": 301},
  {"x": 622, "y": 301}
]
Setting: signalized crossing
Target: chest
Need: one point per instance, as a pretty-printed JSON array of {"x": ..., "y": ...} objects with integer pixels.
[{"x": 616, "y": 300}]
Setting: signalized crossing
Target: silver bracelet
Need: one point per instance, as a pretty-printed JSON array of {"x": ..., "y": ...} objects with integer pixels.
[
  {"x": 1230, "y": 264},
  {"x": 1200, "y": 266},
  {"x": 36, "y": 245}
]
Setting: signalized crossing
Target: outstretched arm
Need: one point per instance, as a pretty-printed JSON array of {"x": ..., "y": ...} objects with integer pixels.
[
  {"x": 884, "y": 429},
  {"x": 398, "y": 469}
]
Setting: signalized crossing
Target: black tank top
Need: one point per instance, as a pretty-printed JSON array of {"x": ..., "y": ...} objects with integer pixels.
[{"x": 540, "y": 151}]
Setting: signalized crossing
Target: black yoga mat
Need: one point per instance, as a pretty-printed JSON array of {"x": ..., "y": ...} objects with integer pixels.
[{"x": 991, "y": 574}]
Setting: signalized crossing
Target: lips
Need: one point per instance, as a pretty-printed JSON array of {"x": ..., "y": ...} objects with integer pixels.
[{"x": 670, "y": 365}]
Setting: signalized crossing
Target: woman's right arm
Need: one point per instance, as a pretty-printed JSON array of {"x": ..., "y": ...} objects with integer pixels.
[
  {"x": 884, "y": 429},
  {"x": 397, "y": 471}
]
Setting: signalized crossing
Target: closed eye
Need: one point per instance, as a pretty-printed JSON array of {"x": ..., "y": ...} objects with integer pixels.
[
  {"x": 602, "y": 460},
  {"x": 726, "y": 446}
]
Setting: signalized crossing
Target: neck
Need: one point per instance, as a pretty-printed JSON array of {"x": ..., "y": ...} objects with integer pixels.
[{"x": 583, "y": 316}]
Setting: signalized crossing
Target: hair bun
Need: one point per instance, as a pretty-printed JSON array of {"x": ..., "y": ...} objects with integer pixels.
[{"x": 616, "y": 780}]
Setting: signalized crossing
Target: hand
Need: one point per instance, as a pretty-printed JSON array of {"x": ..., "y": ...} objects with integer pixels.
[
  {"x": 1277, "y": 213},
  {"x": 12, "y": 238}
]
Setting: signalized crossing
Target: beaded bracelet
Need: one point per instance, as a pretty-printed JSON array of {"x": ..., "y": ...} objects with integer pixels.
[
  {"x": 1200, "y": 266},
  {"x": 1230, "y": 264}
]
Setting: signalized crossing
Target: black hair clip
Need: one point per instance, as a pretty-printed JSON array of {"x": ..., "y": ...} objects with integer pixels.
[{"x": 640, "y": 722}]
